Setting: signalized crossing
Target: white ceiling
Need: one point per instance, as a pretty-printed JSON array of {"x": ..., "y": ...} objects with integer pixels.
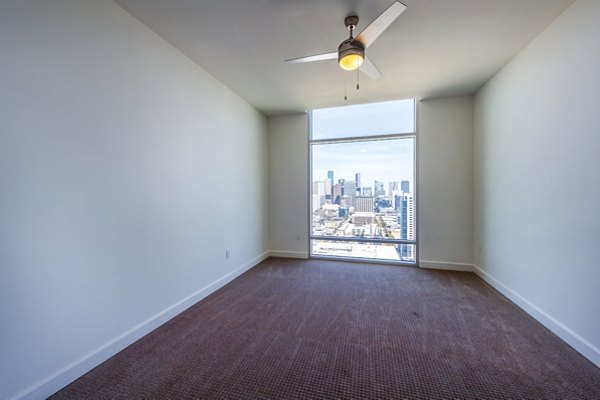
[{"x": 435, "y": 48}]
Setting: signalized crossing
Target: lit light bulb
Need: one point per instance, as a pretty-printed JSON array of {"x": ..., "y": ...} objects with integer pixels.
[{"x": 351, "y": 62}]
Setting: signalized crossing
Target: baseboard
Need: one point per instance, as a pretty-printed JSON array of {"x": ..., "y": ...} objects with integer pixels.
[
  {"x": 587, "y": 349},
  {"x": 68, "y": 374},
  {"x": 288, "y": 254},
  {"x": 446, "y": 265}
]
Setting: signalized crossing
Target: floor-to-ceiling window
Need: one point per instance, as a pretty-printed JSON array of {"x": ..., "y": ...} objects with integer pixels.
[{"x": 363, "y": 181}]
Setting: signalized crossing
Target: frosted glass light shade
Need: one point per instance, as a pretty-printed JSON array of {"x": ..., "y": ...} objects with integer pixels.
[{"x": 351, "y": 61}]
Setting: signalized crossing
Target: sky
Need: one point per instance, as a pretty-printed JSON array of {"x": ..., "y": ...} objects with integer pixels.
[
  {"x": 364, "y": 119},
  {"x": 390, "y": 160},
  {"x": 382, "y": 160}
]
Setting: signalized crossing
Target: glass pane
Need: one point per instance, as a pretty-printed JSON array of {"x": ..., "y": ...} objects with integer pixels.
[
  {"x": 364, "y": 189},
  {"x": 364, "y": 120},
  {"x": 366, "y": 250}
]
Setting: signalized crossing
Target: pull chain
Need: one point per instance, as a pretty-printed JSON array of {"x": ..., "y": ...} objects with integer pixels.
[
  {"x": 357, "y": 78},
  {"x": 345, "y": 88}
]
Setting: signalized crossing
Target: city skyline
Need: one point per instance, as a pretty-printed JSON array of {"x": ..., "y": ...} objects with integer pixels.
[{"x": 390, "y": 160}]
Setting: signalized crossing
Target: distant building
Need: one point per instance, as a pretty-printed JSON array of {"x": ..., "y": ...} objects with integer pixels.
[
  {"x": 337, "y": 193},
  {"x": 346, "y": 201},
  {"x": 363, "y": 218},
  {"x": 383, "y": 202},
  {"x": 321, "y": 191},
  {"x": 358, "y": 183},
  {"x": 367, "y": 191},
  {"x": 331, "y": 210},
  {"x": 330, "y": 177},
  {"x": 350, "y": 190},
  {"x": 397, "y": 200},
  {"x": 364, "y": 204},
  {"x": 315, "y": 202},
  {"x": 405, "y": 186},
  {"x": 393, "y": 187},
  {"x": 406, "y": 219},
  {"x": 379, "y": 190}
]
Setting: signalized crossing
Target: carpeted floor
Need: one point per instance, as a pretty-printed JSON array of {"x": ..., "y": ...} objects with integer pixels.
[{"x": 297, "y": 329}]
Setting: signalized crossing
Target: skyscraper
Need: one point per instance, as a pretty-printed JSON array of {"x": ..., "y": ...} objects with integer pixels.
[
  {"x": 330, "y": 176},
  {"x": 406, "y": 218},
  {"x": 379, "y": 190},
  {"x": 321, "y": 191},
  {"x": 337, "y": 193},
  {"x": 393, "y": 187},
  {"x": 350, "y": 190},
  {"x": 358, "y": 186},
  {"x": 405, "y": 186}
]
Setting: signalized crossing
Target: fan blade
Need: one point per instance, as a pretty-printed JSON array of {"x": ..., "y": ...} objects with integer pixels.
[
  {"x": 370, "y": 69},
  {"x": 316, "y": 57},
  {"x": 376, "y": 28}
]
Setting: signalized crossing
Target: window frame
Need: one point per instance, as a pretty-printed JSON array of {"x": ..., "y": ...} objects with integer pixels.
[{"x": 407, "y": 135}]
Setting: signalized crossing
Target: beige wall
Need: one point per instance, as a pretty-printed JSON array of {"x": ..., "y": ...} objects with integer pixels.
[
  {"x": 288, "y": 185},
  {"x": 446, "y": 183},
  {"x": 537, "y": 180},
  {"x": 125, "y": 172}
]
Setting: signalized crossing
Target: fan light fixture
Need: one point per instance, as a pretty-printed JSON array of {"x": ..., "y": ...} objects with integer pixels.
[{"x": 351, "y": 54}]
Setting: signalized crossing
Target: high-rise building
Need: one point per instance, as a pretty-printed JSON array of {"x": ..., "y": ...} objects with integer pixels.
[
  {"x": 379, "y": 190},
  {"x": 330, "y": 177},
  {"x": 393, "y": 187},
  {"x": 321, "y": 191},
  {"x": 337, "y": 193},
  {"x": 350, "y": 190},
  {"x": 316, "y": 197},
  {"x": 364, "y": 204},
  {"x": 358, "y": 185},
  {"x": 367, "y": 191},
  {"x": 315, "y": 203},
  {"x": 406, "y": 219},
  {"x": 396, "y": 200},
  {"x": 405, "y": 186}
]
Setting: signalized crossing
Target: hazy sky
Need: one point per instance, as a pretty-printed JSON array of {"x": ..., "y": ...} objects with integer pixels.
[
  {"x": 383, "y": 160},
  {"x": 364, "y": 119}
]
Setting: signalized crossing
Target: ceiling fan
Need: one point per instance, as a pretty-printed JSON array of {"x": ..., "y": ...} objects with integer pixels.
[{"x": 351, "y": 52}]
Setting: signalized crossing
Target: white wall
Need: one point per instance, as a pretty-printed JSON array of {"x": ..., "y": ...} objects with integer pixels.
[
  {"x": 288, "y": 185},
  {"x": 126, "y": 171},
  {"x": 446, "y": 183},
  {"x": 537, "y": 178}
]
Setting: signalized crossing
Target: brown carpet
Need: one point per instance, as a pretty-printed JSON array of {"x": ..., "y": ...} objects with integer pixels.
[{"x": 331, "y": 330}]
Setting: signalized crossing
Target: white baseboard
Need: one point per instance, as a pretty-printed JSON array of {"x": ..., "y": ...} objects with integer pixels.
[
  {"x": 69, "y": 373},
  {"x": 288, "y": 254},
  {"x": 580, "y": 344},
  {"x": 445, "y": 265}
]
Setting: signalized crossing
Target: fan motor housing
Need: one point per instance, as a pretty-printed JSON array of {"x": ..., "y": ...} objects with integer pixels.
[{"x": 350, "y": 46}]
